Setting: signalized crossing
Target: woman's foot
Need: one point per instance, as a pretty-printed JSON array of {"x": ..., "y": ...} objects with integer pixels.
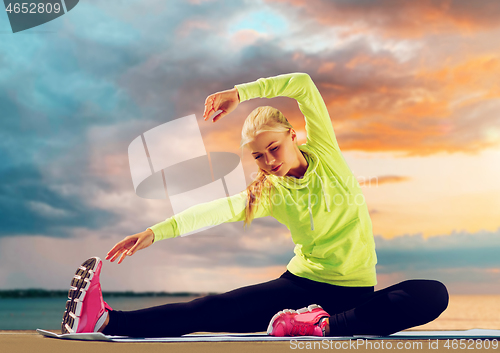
[
  {"x": 86, "y": 311},
  {"x": 309, "y": 321}
]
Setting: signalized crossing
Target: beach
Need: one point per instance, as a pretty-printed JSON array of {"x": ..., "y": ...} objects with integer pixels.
[
  {"x": 464, "y": 312},
  {"x": 28, "y": 341}
]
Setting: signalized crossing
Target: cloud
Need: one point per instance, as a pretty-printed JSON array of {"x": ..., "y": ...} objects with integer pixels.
[
  {"x": 191, "y": 263},
  {"x": 465, "y": 262},
  {"x": 448, "y": 251},
  {"x": 383, "y": 179},
  {"x": 392, "y": 18},
  {"x": 376, "y": 102},
  {"x": 29, "y": 205},
  {"x": 391, "y": 84}
]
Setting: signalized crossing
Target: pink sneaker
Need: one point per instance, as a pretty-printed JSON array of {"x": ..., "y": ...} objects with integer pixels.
[
  {"x": 301, "y": 322},
  {"x": 85, "y": 305}
]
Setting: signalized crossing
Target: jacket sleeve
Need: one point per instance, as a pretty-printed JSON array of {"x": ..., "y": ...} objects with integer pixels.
[
  {"x": 212, "y": 213},
  {"x": 300, "y": 87}
]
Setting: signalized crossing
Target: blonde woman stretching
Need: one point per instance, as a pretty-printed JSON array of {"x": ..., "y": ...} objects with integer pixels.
[{"x": 332, "y": 275}]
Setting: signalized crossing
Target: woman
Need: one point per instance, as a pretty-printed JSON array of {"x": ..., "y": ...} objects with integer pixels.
[{"x": 311, "y": 190}]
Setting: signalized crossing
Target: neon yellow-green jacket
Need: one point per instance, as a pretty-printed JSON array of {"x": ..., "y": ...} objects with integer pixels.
[{"x": 325, "y": 210}]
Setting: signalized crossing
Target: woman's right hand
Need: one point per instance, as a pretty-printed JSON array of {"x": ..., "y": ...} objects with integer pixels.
[
  {"x": 227, "y": 101},
  {"x": 130, "y": 245}
]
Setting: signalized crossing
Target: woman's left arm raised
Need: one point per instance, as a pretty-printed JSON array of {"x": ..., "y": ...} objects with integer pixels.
[{"x": 300, "y": 87}]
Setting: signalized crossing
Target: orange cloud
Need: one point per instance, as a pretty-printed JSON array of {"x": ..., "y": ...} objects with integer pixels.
[
  {"x": 390, "y": 107},
  {"x": 384, "y": 179},
  {"x": 365, "y": 59},
  {"x": 377, "y": 103},
  {"x": 326, "y": 67},
  {"x": 475, "y": 74},
  {"x": 401, "y": 19}
]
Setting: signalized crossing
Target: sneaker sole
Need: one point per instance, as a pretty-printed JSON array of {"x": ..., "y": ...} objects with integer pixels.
[
  {"x": 79, "y": 285},
  {"x": 301, "y": 310}
]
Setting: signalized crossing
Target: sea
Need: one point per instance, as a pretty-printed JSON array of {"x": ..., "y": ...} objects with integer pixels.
[
  {"x": 464, "y": 311},
  {"x": 46, "y": 313}
]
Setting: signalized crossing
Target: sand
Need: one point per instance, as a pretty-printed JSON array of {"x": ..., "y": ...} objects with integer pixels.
[{"x": 30, "y": 341}]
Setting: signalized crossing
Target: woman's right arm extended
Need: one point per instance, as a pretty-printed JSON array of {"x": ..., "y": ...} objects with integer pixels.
[
  {"x": 212, "y": 213},
  {"x": 129, "y": 245}
]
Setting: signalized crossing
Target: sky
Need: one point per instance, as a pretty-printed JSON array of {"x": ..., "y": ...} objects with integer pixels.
[{"x": 413, "y": 94}]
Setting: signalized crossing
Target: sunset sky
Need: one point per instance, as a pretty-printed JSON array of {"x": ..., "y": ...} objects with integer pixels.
[{"x": 413, "y": 92}]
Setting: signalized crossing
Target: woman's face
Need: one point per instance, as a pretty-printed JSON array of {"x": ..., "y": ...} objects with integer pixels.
[{"x": 274, "y": 149}]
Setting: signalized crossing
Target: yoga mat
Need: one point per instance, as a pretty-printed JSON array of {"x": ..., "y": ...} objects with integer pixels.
[{"x": 222, "y": 337}]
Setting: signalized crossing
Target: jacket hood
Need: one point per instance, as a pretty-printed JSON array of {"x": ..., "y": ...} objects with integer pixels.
[{"x": 294, "y": 183}]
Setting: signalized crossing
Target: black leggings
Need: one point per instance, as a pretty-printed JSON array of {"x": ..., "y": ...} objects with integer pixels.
[{"x": 353, "y": 310}]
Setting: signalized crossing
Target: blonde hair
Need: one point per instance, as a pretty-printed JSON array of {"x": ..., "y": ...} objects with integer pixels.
[{"x": 261, "y": 119}]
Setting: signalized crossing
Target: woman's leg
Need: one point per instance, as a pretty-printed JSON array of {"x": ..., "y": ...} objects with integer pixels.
[
  {"x": 247, "y": 309},
  {"x": 240, "y": 310},
  {"x": 398, "y": 307}
]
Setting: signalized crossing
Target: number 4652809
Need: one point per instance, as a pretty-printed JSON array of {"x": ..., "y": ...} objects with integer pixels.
[
  {"x": 33, "y": 8},
  {"x": 471, "y": 344}
]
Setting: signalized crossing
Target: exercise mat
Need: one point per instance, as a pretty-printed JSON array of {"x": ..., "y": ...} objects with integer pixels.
[{"x": 224, "y": 337}]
